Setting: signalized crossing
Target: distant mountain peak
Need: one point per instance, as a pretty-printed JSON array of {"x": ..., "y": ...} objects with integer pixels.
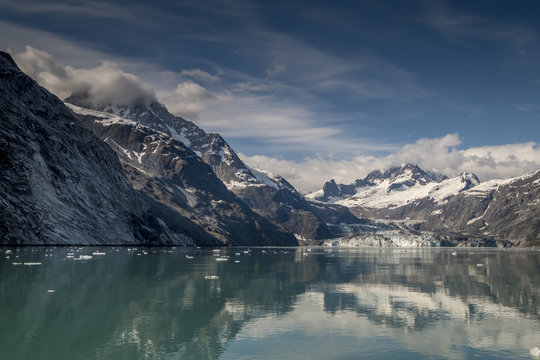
[
  {"x": 7, "y": 62},
  {"x": 397, "y": 178}
]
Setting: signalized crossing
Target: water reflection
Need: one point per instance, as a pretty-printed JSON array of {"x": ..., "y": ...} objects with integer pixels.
[{"x": 273, "y": 303}]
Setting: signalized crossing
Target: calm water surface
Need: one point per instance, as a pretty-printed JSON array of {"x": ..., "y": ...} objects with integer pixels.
[{"x": 278, "y": 303}]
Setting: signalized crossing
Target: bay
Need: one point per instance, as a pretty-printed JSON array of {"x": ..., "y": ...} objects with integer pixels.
[{"x": 268, "y": 303}]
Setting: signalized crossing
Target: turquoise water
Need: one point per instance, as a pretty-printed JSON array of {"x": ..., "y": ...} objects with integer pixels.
[{"x": 274, "y": 303}]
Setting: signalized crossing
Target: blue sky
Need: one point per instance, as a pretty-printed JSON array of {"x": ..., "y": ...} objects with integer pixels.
[{"x": 289, "y": 82}]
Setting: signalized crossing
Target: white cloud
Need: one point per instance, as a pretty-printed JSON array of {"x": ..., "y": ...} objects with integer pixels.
[
  {"x": 440, "y": 154},
  {"x": 104, "y": 84},
  {"x": 189, "y": 99}
]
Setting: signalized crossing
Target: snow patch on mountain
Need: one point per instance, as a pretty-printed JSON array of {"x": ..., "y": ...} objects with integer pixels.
[
  {"x": 265, "y": 177},
  {"x": 106, "y": 118},
  {"x": 180, "y": 136},
  {"x": 382, "y": 196}
]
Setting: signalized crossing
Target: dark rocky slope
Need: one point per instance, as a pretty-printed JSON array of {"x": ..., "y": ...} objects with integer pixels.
[{"x": 59, "y": 183}]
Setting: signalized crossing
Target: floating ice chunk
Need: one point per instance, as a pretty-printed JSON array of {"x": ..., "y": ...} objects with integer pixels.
[
  {"x": 211, "y": 277},
  {"x": 32, "y": 263},
  {"x": 479, "y": 265},
  {"x": 237, "y": 261},
  {"x": 50, "y": 291},
  {"x": 189, "y": 257},
  {"x": 98, "y": 253},
  {"x": 237, "y": 254},
  {"x": 222, "y": 259},
  {"x": 85, "y": 257},
  {"x": 453, "y": 253},
  {"x": 535, "y": 352},
  {"x": 8, "y": 251},
  {"x": 16, "y": 263}
]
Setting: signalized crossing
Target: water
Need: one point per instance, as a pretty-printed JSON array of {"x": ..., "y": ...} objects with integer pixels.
[{"x": 155, "y": 303}]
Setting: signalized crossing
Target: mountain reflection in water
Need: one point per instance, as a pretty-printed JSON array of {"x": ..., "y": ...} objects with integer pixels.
[{"x": 275, "y": 303}]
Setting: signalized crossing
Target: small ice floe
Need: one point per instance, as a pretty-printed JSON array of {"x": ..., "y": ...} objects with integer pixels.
[
  {"x": 85, "y": 257},
  {"x": 479, "y": 265},
  {"x": 237, "y": 254},
  {"x": 32, "y": 263},
  {"x": 216, "y": 251},
  {"x": 211, "y": 277},
  {"x": 50, "y": 291},
  {"x": 535, "y": 352},
  {"x": 189, "y": 257},
  {"x": 222, "y": 259},
  {"x": 8, "y": 251},
  {"x": 16, "y": 263},
  {"x": 98, "y": 253},
  {"x": 237, "y": 261},
  {"x": 246, "y": 251},
  {"x": 453, "y": 253}
]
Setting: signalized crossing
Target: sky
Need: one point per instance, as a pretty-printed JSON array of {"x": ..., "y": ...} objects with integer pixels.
[{"x": 311, "y": 90}]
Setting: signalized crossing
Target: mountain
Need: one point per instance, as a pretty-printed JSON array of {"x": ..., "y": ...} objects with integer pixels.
[
  {"x": 398, "y": 193},
  {"x": 502, "y": 209},
  {"x": 211, "y": 148},
  {"x": 181, "y": 189},
  {"x": 60, "y": 183},
  {"x": 269, "y": 196},
  {"x": 447, "y": 212}
]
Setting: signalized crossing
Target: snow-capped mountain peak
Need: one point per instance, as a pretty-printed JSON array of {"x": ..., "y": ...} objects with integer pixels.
[{"x": 396, "y": 179}]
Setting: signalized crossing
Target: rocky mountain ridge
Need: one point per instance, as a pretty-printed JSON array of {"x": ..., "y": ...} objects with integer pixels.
[
  {"x": 181, "y": 189},
  {"x": 145, "y": 176},
  {"x": 60, "y": 183},
  {"x": 459, "y": 209},
  {"x": 268, "y": 195}
]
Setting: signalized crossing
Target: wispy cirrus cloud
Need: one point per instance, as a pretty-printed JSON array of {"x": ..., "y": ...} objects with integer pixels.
[
  {"x": 199, "y": 75},
  {"x": 459, "y": 25},
  {"x": 95, "y": 9}
]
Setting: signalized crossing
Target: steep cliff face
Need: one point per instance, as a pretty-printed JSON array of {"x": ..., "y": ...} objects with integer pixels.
[
  {"x": 181, "y": 189},
  {"x": 60, "y": 183}
]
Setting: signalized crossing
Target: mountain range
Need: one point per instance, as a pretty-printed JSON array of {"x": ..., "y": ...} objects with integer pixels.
[
  {"x": 77, "y": 173},
  {"x": 461, "y": 208}
]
